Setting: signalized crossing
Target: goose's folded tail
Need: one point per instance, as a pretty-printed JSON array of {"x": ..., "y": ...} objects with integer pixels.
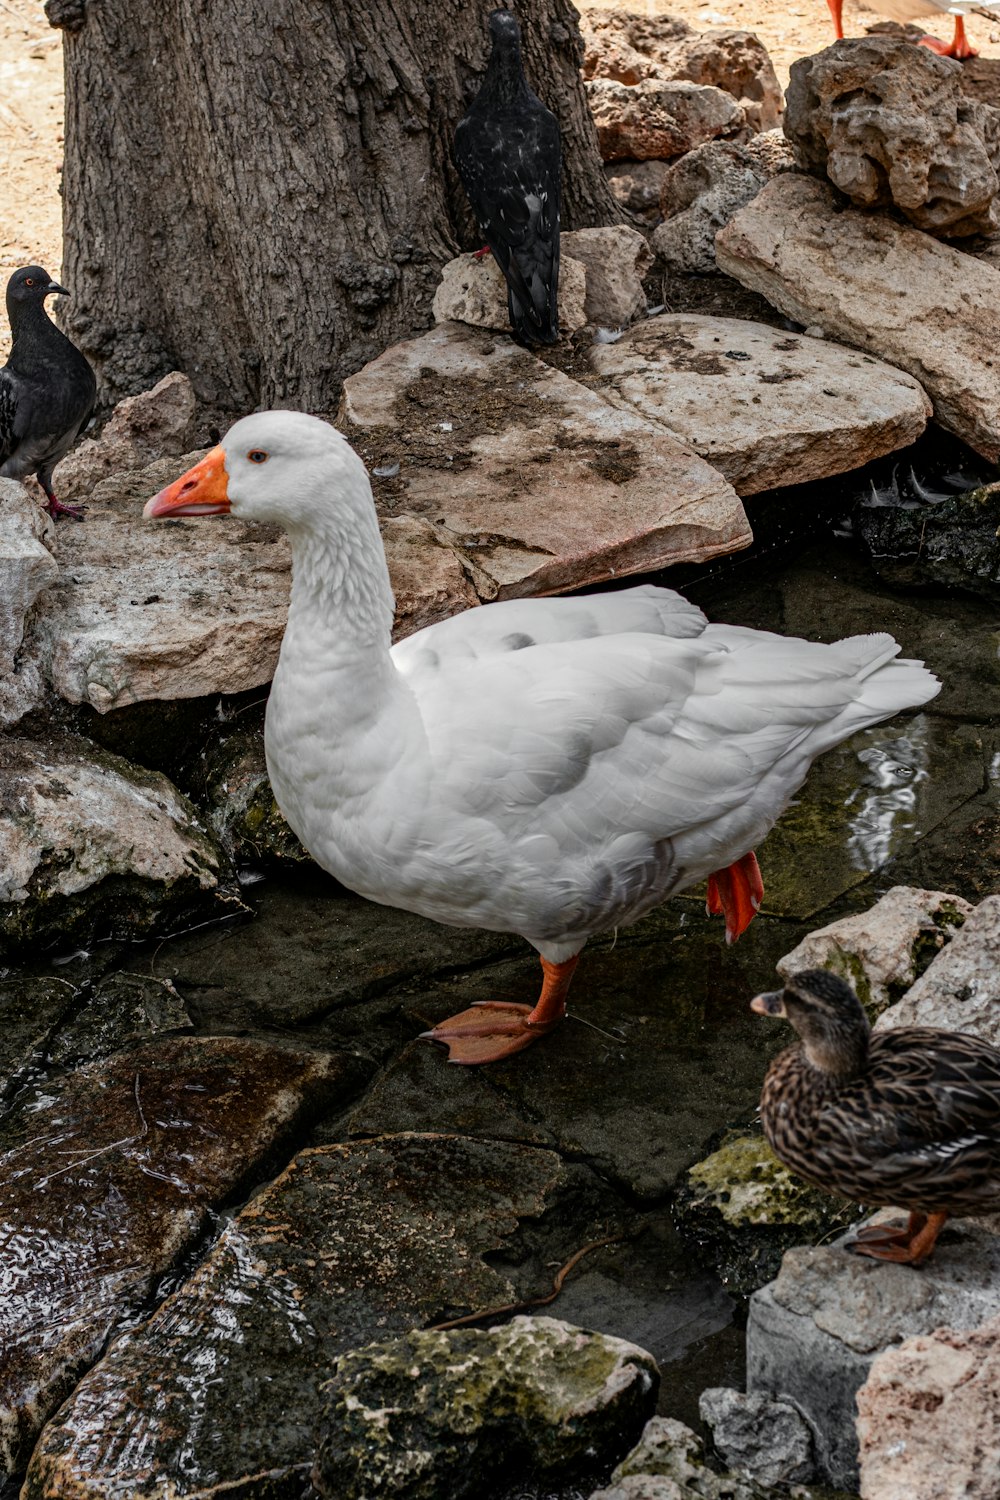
[{"x": 887, "y": 683}]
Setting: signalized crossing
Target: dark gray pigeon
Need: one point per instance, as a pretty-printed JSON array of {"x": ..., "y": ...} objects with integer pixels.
[
  {"x": 47, "y": 388},
  {"x": 507, "y": 155}
]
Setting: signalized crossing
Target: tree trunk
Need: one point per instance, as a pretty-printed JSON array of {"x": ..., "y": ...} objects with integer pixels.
[{"x": 261, "y": 194}]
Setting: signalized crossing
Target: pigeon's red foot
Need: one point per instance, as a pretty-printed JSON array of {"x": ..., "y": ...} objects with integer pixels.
[
  {"x": 907, "y": 1246},
  {"x": 959, "y": 46},
  {"x": 478, "y": 254},
  {"x": 494, "y": 1029},
  {"x": 737, "y": 891},
  {"x": 56, "y": 508}
]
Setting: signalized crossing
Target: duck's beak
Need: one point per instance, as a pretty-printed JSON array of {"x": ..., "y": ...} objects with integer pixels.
[
  {"x": 202, "y": 491},
  {"x": 771, "y": 1004}
]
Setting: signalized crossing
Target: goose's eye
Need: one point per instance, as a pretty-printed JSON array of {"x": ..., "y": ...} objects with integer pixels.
[{"x": 257, "y": 456}]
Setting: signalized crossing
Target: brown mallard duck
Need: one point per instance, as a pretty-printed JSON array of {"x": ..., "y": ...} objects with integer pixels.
[{"x": 908, "y": 1117}]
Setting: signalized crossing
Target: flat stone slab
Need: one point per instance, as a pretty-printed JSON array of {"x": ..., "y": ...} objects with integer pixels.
[
  {"x": 221, "y": 1387},
  {"x": 107, "y": 1177},
  {"x": 765, "y": 407},
  {"x": 815, "y": 1330},
  {"x": 882, "y": 286},
  {"x": 533, "y": 480}
]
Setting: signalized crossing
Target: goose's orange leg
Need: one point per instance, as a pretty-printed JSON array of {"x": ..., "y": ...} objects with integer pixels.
[
  {"x": 737, "y": 891},
  {"x": 836, "y": 11},
  {"x": 959, "y": 47},
  {"x": 493, "y": 1029},
  {"x": 909, "y": 1246}
]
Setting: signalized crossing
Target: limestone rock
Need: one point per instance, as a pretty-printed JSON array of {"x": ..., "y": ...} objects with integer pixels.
[
  {"x": 615, "y": 259},
  {"x": 960, "y": 991},
  {"x": 90, "y": 844},
  {"x": 953, "y": 542},
  {"x": 660, "y": 120},
  {"x": 155, "y": 424},
  {"x": 669, "y": 1462},
  {"x": 439, "y": 1413},
  {"x": 891, "y": 126},
  {"x": 744, "y": 1209},
  {"x": 881, "y": 286},
  {"x": 704, "y": 189},
  {"x": 108, "y": 1177},
  {"x": 288, "y": 1287},
  {"x": 815, "y": 1330},
  {"x": 26, "y": 568},
  {"x": 532, "y": 480},
  {"x": 766, "y": 408},
  {"x": 883, "y": 951},
  {"x": 628, "y": 47},
  {"x": 929, "y": 1418},
  {"x": 637, "y": 185},
  {"x": 768, "y": 1440},
  {"x": 473, "y": 290}
]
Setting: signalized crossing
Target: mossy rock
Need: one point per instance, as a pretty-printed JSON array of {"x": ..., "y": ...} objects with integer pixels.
[
  {"x": 745, "y": 1209},
  {"x": 953, "y": 543},
  {"x": 240, "y": 806}
]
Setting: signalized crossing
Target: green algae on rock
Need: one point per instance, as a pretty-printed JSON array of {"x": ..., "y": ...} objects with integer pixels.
[
  {"x": 456, "y": 1412},
  {"x": 745, "y": 1209},
  {"x": 91, "y": 845},
  {"x": 953, "y": 542},
  {"x": 353, "y": 1242},
  {"x": 108, "y": 1175},
  {"x": 241, "y": 807}
]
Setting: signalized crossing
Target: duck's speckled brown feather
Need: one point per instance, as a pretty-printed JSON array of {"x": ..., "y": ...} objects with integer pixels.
[{"x": 918, "y": 1129}]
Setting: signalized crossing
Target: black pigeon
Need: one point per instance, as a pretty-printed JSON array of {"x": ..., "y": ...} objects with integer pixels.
[
  {"x": 507, "y": 155},
  {"x": 47, "y": 388}
]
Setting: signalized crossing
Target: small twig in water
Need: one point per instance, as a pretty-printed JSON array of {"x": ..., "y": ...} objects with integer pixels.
[
  {"x": 517, "y": 1307},
  {"x": 612, "y": 1036}
]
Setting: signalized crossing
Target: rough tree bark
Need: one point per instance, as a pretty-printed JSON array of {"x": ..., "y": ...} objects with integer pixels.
[{"x": 260, "y": 193}]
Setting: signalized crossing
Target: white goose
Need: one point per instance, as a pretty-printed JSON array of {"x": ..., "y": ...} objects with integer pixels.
[{"x": 550, "y": 767}]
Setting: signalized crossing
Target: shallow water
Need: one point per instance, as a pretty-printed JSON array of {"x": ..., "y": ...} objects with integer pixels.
[{"x": 661, "y": 1052}]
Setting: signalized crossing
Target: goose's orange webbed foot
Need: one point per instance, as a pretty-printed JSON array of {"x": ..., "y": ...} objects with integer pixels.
[
  {"x": 737, "y": 891},
  {"x": 959, "y": 46},
  {"x": 493, "y": 1029}
]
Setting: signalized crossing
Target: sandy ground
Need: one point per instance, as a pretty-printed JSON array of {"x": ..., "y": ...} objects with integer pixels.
[{"x": 31, "y": 99}]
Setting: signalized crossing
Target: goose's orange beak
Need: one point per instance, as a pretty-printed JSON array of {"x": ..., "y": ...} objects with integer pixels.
[{"x": 201, "y": 491}]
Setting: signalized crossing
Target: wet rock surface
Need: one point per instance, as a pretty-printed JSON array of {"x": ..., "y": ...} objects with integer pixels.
[
  {"x": 891, "y": 126},
  {"x": 242, "y": 813},
  {"x": 477, "y": 429},
  {"x": 883, "y": 951},
  {"x": 949, "y": 541},
  {"x": 814, "y": 1331},
  {"x": 108, "y": 1177},
  {"x": 32, "y": 1013},
  {"x": 929, "y": 1418},
  {"x": 289, "y": 1286},
  {"x": 90, "y": 844},
  {"x": 744, "y": 1209},
  {"x": 765, "y": 408},
  {"x": 460, "y": 1412},
  {"x": 882, "y": 287}
]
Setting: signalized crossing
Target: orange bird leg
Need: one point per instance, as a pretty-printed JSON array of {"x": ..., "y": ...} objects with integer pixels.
[
  {"x": 959, "y": 47},
  {"x": 738, "y": 891},
  {"x": 836, "y": 11},
  {"x": 908, "y": 1247},
  {"x": 492, "y": 1030}
]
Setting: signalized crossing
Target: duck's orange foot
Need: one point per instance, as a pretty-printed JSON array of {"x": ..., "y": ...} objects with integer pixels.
[
  {"x": 959, "y": 46},
  {"x": 908, "y": 1247},
  {"x": 737, "y": 891},
  {"x": 489, "y": 1032},
  {"x": 494, "y": 1029}
]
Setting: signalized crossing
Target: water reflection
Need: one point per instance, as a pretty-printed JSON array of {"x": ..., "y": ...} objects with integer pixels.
[{"x": 883, "y": 806}]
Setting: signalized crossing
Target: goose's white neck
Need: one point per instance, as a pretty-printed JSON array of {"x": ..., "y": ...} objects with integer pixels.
[{"x": 340, "y": 581}]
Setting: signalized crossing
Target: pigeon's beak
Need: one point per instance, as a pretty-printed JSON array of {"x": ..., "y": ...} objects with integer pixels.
[
  {"x": 771, "y": 1004},
  {"x": 54, "y": 287},
  {"x": 202, "y": 491}
]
